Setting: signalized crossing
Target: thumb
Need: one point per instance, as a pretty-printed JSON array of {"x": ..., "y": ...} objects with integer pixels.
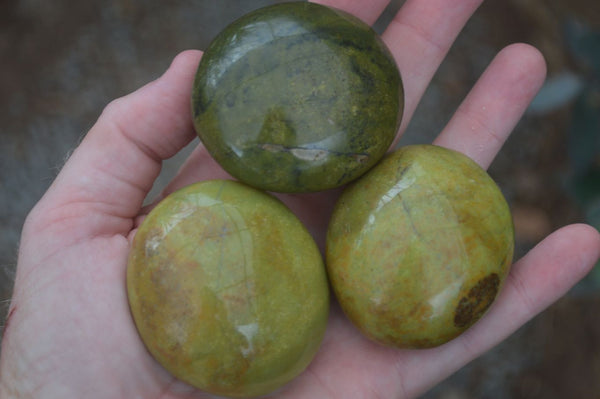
[{"x": 102, "y": 186}]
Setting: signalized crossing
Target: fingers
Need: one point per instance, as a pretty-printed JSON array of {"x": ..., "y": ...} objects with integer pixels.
[
  {"x": 545, "y": 274},
  {"x": 368, "y": 11},
  {"x": 104, "y": 183},
  {"x": 419, "y": 37},
  {"x": 495, "y": 104}
]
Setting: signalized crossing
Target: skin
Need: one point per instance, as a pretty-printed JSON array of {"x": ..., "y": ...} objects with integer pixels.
[{"x": 69, "y": 331}]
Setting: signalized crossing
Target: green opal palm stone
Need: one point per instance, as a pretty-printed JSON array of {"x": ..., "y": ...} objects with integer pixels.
[
  {"x": 297, "y": 97},
  {"x": 419, "y": 247},
  {"x": 227, "y": 289}
]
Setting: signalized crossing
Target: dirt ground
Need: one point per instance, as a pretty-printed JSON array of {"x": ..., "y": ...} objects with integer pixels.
[{"x": 63, "y": 61}]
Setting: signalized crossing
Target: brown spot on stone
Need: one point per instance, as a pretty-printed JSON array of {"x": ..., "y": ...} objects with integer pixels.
[{"x": 478, "y": 300}]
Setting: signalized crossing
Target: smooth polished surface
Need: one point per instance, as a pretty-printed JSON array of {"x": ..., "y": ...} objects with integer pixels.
[
  {"x": 297, "y": 97},
  {"x": 418, "y": 248},
  {"x": 227, "y": 289}
]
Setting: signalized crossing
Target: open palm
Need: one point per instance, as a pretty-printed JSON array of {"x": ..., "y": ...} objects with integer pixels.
[{"x": 69, "y": 332}]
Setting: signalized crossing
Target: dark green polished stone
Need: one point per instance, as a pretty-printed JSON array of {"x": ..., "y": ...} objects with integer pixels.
[{"x": 297, "y": 97}]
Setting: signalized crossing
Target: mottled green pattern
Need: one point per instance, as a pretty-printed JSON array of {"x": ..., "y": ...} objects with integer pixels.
[
  {"x": 227, "y": 289},
  {"x": 418, "y": 248},
  {"x": 297, "y": 97}
]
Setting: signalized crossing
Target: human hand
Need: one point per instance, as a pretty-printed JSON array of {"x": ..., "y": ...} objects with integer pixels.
[{"x": 69, "y": 332}]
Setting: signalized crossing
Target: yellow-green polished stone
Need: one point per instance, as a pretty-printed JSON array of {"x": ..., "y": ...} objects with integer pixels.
[
  {"x": 227, "y": 289},
  {"x": 297, "y": 97},
  {"x": 418, "y": 248}
]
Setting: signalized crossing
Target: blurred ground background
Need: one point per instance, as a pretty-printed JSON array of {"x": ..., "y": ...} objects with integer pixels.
[{"x": 61, "y": 62}]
